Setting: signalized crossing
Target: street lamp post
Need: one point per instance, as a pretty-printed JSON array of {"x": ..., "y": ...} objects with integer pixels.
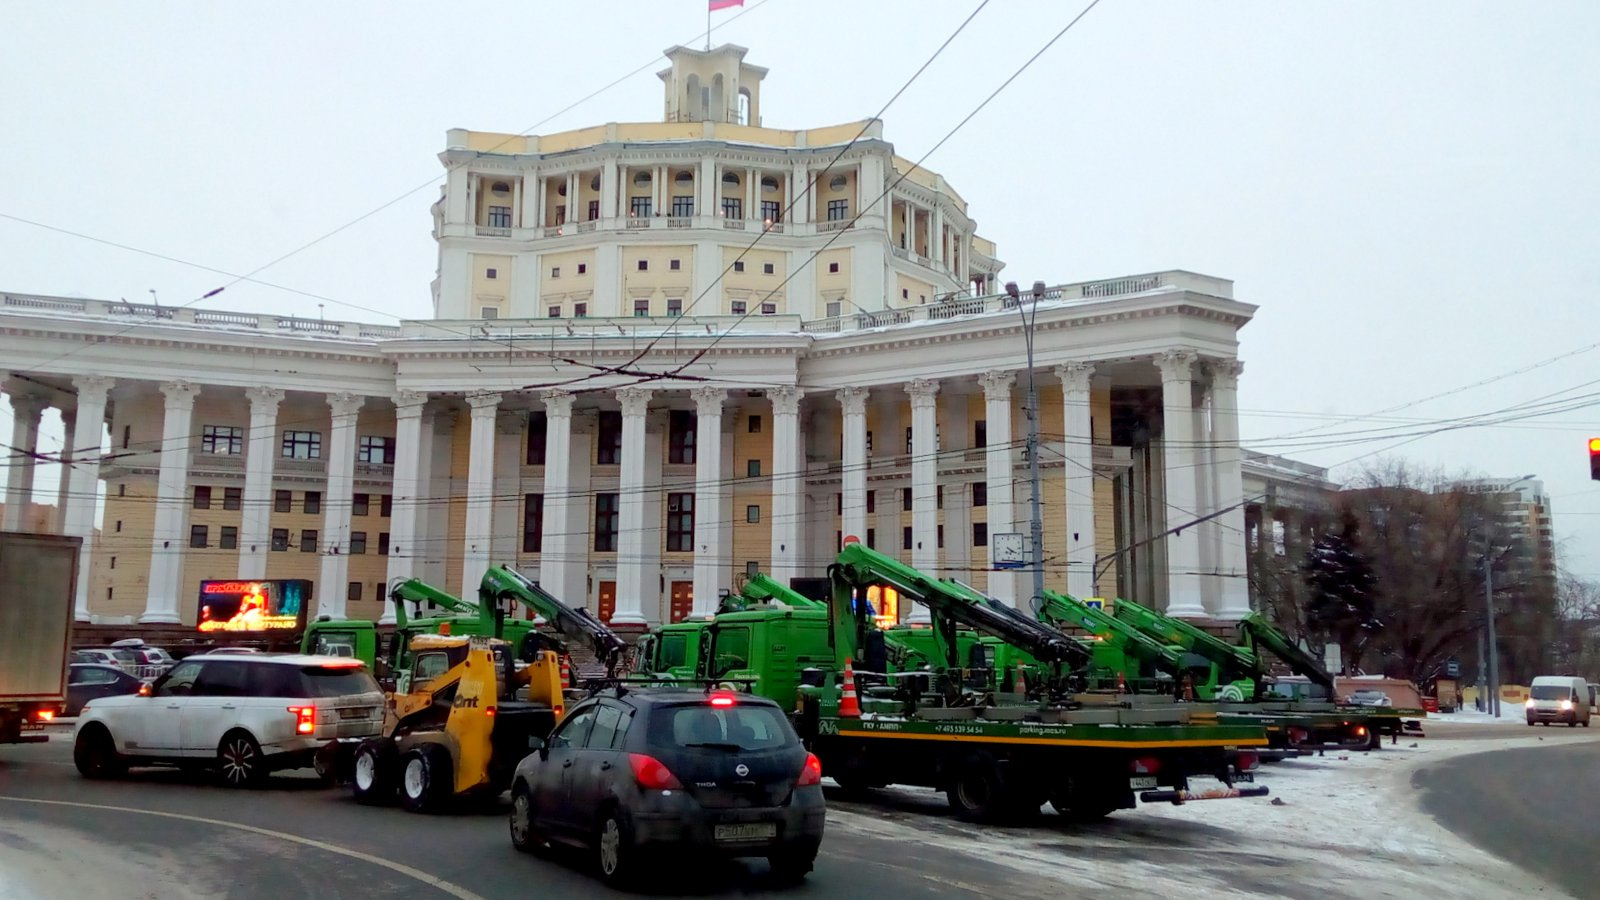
[{"x": 1032, "y": 411}]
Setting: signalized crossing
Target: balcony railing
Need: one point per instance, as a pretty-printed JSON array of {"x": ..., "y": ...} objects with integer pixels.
[
  {"x": 494, "y": 231},
  {"x": 120, "y": 311}
]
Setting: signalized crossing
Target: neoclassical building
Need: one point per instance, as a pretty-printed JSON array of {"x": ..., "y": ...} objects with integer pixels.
[{"x": 663, "y": 356}]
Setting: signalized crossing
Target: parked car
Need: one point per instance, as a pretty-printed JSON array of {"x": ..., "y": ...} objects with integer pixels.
[
  {"x": 96, "y": 657},
  {"x": 246, "y": 716},
  {"x": 633, "y": 774},
  {"x": 91, "y": 681},
  {"x": 1368, "y": 698},
  {"x": 229, "y": 651}
]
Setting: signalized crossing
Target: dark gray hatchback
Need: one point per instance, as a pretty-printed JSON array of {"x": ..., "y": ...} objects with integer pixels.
[{"x": 633, "y": 773}]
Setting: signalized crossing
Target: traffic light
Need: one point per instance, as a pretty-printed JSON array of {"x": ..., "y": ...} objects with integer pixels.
[{"x": 1594, "y": 459}]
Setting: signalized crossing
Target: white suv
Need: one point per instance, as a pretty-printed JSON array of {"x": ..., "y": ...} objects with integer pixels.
[{"x": 245, "y": 715}]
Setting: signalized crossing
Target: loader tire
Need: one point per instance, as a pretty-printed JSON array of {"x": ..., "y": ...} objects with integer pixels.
[
  {"x": 372, "y": 774},
  {"x": 426, "y": 780}
]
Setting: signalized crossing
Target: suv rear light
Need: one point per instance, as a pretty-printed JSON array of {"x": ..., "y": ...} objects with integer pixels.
[
  {"x": 811, "y": 772},
  {"x": 305, "y": 719},
  {"x": 1145, "y": 765},
  {"x": 722, "y": 699},
  {"x": 651, "y": 774}
]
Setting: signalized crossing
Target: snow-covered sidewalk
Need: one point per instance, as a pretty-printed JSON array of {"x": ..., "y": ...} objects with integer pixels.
[{"x": 1341, "y": 825}]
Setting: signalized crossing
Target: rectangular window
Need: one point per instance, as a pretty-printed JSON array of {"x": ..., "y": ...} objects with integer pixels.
[
  {"x": 909, "y": 445},
  {"x": 533, "y": 523},
  {"x": 561, "y": 214},
  {"x": 202, "y": 497},
  {"x": 752, "y": 513},
  {"x": 905, "y": 499},
  {"x": 553, "y": 312},
  {"x": 980, "y": 493},
  {"x": 674, "y": 306},
  {"x": 753, "y": 468},
  {"x": 383, "y": 543},
  {"x": 738, "y": 265},
  {"x": 607, "y": 515},
  {"x": 232, "y": 498},
  {"x": 833, "y": 268},
  {"x": 939, "y": 537},
  {"x": 197, "y": 535},
  {"x": 229, "y": 538},
  {"x": 872, "y": 538},
  {"x": 555, "y": 271},
  {"x": 280, "y": 538},
  {"x": 113, "y": 562},
  {"x": 313, "y": 504},
  {"x": 681, "y": 434},
  {"x": 831, "y": 310},
  {"x": 283, "y": 501},
  {"x": 358, "y": 543},
  {"x": 489, "y": 312},
  {"x": 491, "y": 274},
  {"x": 675, "y": 264},
  {"x": 639, "y": 207},
  {"x": 228, "y": 439},
  {"x": 905, "y": 538},
  {"x": 122, "y": 490},
  {"x": 769, "y": 309},
  {"x": 872, "y": 502},
  {"x": 609, "y": 428},
  {"x": 360, "y": 504},
  {"x": 302, "y": 444},
  {"x": 127, "y": 434},
  {"x": 386, "y": 508},
  {"x": 538, "y": 432},
  {"x": 838, "y": 210},
  {"x": 980, "y": 433},
  {"x": 838, "y": 504},
  {"x": 499, "y": 217},
  {"x": 641, "y": 309},
  {"x": 938, "y": 497},
  {"x": 594, "y": 210},
  {"x": 754, "y": 425},
  {"x": 580, "y": 310},
  {"x": 680, "y": 523},
  {"x": 752, "y": 568},
  {"x": 119, "y": 526},
  {"x": 644, "y": 265},
  {"x": 682, "y": 206},
  {"x": 732, "y": 207},
  {"x": 582, "y": 268},
  {"x": 771, "y": 210},
  {"x": 737, "y": 307},
  {"x": 766, "y": 268},
  {"x": 308, "y": 540},
  {"x": 375, "y": 450}
]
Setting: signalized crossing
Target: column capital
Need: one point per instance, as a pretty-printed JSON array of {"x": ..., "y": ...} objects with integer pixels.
[
  {"x": 922, "y": 391},
  {"x": 557, "y": 402},
  {"x": 853, "y": 399},
  {"x": 483, "y": 403},
  {"x": 997, "y": 385},
  {"x": 785, "y": 400},
  {"x": 345, "y": 405},
  {"x": 635, "y": 400},
  {"x": 1225, "y": 372},
  {"x": 264, "y": 398},
  {"x": 408, "y": 403},
  {"x": 180, "y": 394},
  {"x": 93, "y": 387},
  {"x": 1176, "y": 365},
  {"x": 708, "y": 401},
  {"x": 1075, "y": 375}
]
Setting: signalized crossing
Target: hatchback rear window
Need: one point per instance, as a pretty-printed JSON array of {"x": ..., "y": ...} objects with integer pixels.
[
  {"x": 738, "y": 727},
  {"x": 1551, "y": 692},
  {"x": 338, "y": 681}
]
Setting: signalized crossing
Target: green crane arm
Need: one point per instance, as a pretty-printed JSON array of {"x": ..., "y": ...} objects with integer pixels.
[
  {"x": 575, "y": 623},
  {"x": 760, "y": 588},
  {"x": 1194, "y": 640},
  {"x": 1063, "y": 609},
  {"x": 1255, "y": 629},
  {"x": 951, "y": 603},
  {"x": 413, "y": 590}
]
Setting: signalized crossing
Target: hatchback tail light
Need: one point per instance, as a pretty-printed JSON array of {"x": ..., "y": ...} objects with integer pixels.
[
  {"x": 305, "y": 719},
  {"x": 811, "y": 772},
  {"x": 652, "y": 774}
]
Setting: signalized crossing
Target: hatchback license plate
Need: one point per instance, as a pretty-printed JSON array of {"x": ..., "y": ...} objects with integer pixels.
[
  {"x": 1142, "y": 783},
  {"x": 748, "y": 832},
  {"x": 353, "y": 713}
]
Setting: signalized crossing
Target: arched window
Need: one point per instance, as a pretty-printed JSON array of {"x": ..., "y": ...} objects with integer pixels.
[
  {"x": 500, "y": 187},
  {"x": 744, "y": 107}
]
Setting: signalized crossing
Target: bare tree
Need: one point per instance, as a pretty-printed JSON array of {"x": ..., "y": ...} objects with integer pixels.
[{"x": 1575, "y": 647}]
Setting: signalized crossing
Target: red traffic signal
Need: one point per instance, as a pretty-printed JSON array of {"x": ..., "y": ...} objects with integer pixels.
[{"x": 1594, "y": 459}]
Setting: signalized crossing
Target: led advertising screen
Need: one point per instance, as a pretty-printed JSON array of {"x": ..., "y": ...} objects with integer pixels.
[{"x": 253, "y": 606}]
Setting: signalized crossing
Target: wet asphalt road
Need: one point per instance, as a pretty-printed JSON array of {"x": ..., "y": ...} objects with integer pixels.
[
  {"x": 1532, "y": 806},
  {"x": 312, "y": 842}
]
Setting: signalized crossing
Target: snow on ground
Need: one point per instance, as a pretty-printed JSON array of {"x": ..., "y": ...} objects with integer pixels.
[
  {"x": 1510, "y": 714},
  {"x": 1340, "y": 825}
]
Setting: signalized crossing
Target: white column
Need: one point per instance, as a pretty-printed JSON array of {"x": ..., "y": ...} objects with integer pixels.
[
  {"x": 26, "y": 410},
  {"x": 787, "y": 485},
  {"x": 709, "y": 190},
  {"x": 542, "y": 198},
  {"x": 83, "y": 478},
  {"x": 635, "y": 583},
  {"x": 924, "y": 482},
  {"x": 562, "y": 566},
  {"x": 711, "y": 530},
  {"x": 1000, "y": 475},
  {"x": 608, "y": 193},
  {"x": 480, "y": 492},
  {"x": 802, "y": 196},
  {"x": 1182, "y": 490},
  {"x": 1230, "y": 488},
  {"x": 334, "y": 573},
  {"x": 659, "y": 206},
  {"x": 69, "y": 421},
  {"x": 409, "y": 491},
  {"x": 1079, "y": 451},
  {"x": 853, "y": 402},
  {"x": 936, "y": 235},
  {"x": 752, "y": 194},
  {"x": 516, "y": 203},
  {"x": 172, "y": 506},
  {"x": 573, "y": 190},
  {"x": 255, "y": 519}
]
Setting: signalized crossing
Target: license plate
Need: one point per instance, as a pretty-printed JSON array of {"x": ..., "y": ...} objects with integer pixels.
[
  {"x": 1245, "y": 776},
  {"x": 749, "y": 832},
  {"x": 353, "y": 713},
  {"x": 1142, "y": 783}
]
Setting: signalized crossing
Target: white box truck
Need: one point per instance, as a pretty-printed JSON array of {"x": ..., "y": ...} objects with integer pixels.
[{"x": 38, "y": 578}]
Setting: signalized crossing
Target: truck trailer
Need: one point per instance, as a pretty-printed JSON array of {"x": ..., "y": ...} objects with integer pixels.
[{"x": 38, "y": 583}]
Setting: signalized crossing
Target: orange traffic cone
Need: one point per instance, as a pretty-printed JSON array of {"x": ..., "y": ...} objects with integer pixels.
[
  {"x": 849, "y": 706},
  {"x": 566, "y": 671},
  {"x": 1122, "y": 684},
  {"x": 1022, "y": 679}
]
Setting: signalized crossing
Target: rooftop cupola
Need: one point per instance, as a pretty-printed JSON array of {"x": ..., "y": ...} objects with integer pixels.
[{"x": 712, "y": 86}]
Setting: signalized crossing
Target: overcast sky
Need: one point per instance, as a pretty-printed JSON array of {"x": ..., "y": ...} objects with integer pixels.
[{"x": 1408, "y": 191}]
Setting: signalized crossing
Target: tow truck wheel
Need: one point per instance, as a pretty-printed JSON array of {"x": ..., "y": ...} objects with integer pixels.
[
  {"x": 372, "y": 772},
  {"x": 425, "y": 778},
  {"x": 976, "y": 793},
  {"x": 1374, "y": 739}
]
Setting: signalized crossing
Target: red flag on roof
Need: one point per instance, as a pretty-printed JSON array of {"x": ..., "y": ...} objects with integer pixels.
[{"x": 725, "y": 4}]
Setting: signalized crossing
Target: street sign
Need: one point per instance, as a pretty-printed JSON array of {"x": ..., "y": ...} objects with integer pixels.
[
  {"x": 1095, "y": 603},
  {"x": 1452, "y": 669}
]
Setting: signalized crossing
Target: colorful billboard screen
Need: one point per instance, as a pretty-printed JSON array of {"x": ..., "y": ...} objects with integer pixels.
[{"x": 253, "y": 606}]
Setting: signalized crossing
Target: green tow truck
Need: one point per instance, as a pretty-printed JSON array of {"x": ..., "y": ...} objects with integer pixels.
[
  {"x": 1236, "y": 674},
  {"x": 996, "y": 754},
  {"x": 502, "y": 584}
]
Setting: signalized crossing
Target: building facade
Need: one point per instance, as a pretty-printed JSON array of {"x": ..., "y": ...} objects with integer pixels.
[{"x": 663, "y": 356}]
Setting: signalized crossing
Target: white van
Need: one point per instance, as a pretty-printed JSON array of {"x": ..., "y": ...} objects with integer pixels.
[{"x": 1559, "y": 698}]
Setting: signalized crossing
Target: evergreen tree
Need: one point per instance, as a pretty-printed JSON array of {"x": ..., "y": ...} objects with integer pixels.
[{"x": 1343, "y": 589}]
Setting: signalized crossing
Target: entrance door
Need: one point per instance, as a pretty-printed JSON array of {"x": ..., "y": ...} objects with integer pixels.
[
  {"x": 607, "y": 600},
  {"x": 682, "y": 603}
]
